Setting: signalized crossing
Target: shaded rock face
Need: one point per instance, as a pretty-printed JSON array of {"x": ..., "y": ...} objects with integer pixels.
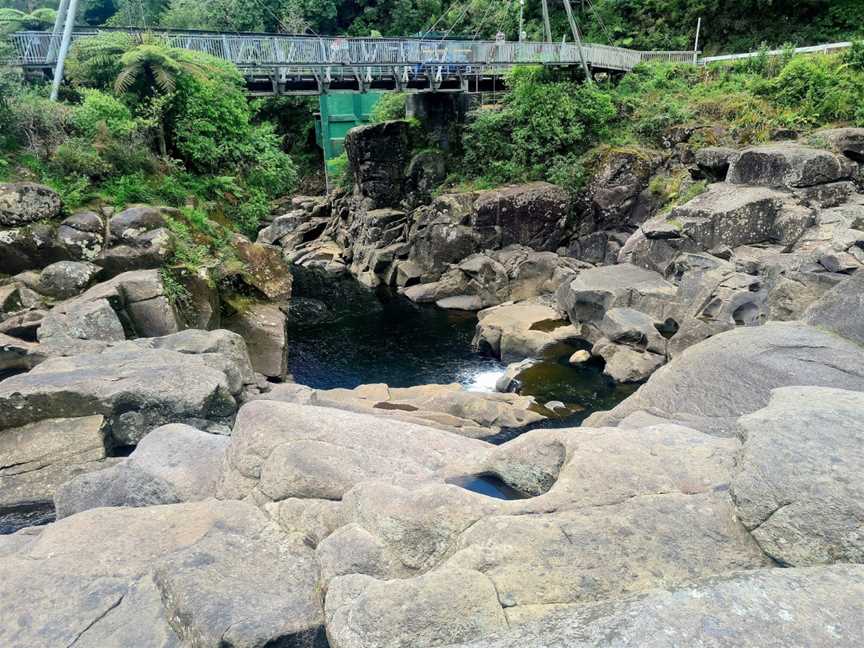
[
  {"x": 25, "y": 202},
  {"x": 377, "y": 156},
  {"x": 263, "y": 327},
  {"x": 207, "y": 574},
  {"x": 788, "y": 165},
  {"x": 616, "y": 189}
]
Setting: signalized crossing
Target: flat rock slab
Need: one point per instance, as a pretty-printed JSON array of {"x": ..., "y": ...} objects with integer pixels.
[
  {"x": 521, "y": 330},
  {"x": 787, "y": 165},
  {"x": 587, "y": 297},
  {"x": 35, "y": 459},
  {"x": 607, "y": 552},
  {"x": 770, "y": 608},
  {"x": 716, "y": 381},
  {"x": 799, "y": 485},
  {"x": 437, "y": 609},
  {"x": 206, "y": 574},
  {"x": 283, "y": 450},
  {"x": 135, "y": 389}
]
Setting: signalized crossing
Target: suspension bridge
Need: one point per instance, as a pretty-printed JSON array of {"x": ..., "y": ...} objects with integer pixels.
[{"x": 277, "y": 63}]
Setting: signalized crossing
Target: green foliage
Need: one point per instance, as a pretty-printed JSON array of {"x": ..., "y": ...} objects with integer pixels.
[
  {"x": 389, "y": 106},
  {"x": 78, "y": 157},
  {"x": 96, "y": 62},
  {"x": 338, "y": 171},
  {"x": 854, "y": 56},
  {"x": 542, "y": 119},
  {"x": 99, "y": 111}
]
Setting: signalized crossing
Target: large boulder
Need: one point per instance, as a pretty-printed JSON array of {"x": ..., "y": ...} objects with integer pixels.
[
  {"x": 134, "y": 388},
  {"x": 264, "y": 269},
  {"x": 174, "y": 463},
  {"x": 80, "y": 326},
  {"x": 25, "y": 202},
  {"x": 841, "y": 309},
  {"x": 521, "y": 330},
  {"x": 83, "y": 235},
  {"x": 264, "y": 328},
  {"x": 30, "y": 247},
  {"x": 616, "y": 188},
  {"x": 565, "y": 557},
  {"x": 846, "y": 141},
  {"x": 799, "y": 483},
  {"x": 66, "y": 279},
  {"x": 788, "y": 165},
  {"x": 36, "y": 458},
  {"x": 725, "y": 215},
  {"x": 768, "y": 607},
  {"x": 283, "y": 450},
  {"x": 201, "y": 574},
  {"x": 593, "y": 292},
  {"x": 377, "y": 157},
  {"x": 532, "y": 214},
  {"x": 713, "y": 383}
]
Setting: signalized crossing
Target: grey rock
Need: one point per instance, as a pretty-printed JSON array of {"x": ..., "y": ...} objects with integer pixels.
[
  {"x": 799, "y": 483},
  {"x": 264, "y": 328},
  {"x": 847, "y": 141},
  {"x": 35, "y": 459},
  {"x": 174, "y": 463},
  {"x": 17, "y": 355},
  {"x": 565, "y": 557},
  {"x": 135, "y": 389},
  {"x": 128, "y": 225},
  {"x": 377, "y": 157},
  {"x": 437, "y": 609},
  {"x": 788, "y": 165},
  {"x": 205, "y": 574},
  {"x": 66, "y": 279},
  {"x": 841, "y": 309},
  {"x": 148, "y": 250},
  {"x": 26, "y": 202},
  {"x": 587, "y": 297},
  {"x": 356, "y": 447},
  {"x": 713, "y": 161},
  {"x": 521, "y": 330},
  {"x": 772, "y": 607},
  {"x": 696, "y": 390},
  {"x": 80, "y": 326},
  {"x": 30, "y": 247}
]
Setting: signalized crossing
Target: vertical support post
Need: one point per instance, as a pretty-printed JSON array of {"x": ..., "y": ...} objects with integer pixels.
[
  {"x": 64, "y": 49},
  {"x": 55, "y": 33},
  {"x": 696, "y": 44},
  {"x": 547, "y": 29},
  {"x": 578, "y": 38}
]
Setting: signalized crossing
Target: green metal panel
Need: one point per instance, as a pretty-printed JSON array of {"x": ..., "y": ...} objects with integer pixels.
[{"x": 340, "y": 112}]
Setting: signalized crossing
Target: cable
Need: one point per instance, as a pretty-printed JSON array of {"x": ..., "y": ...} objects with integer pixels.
[
  {"x": 600, "y": 21},
  {"x": 457, "y": 21},
  {"x": 482, "y": 20},
  {"x": 440, "y": 18}
]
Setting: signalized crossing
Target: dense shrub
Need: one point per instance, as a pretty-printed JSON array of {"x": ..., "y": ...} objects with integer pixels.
[
  {"x": 389, "y": 106},
  {"x": 542, "y": 119},
  {"x": 99, "y": 111},
  {"x": 78, "y": 157}
]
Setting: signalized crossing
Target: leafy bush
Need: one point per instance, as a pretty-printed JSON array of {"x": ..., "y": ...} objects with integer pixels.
[
  {"x": 99, "y": 111},
  {"x": 542, "y": 118},
  {"x": 38, "y": 124},
  {"x": 389, "y": 106},
  {"x": 78, "y": 157},
  {"x": 854, "y": 56},
  {"x": 96, "y": 62}
]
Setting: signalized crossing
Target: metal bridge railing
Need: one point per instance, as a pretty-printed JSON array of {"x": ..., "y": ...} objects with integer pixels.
[{"x": 251, "y": 50}]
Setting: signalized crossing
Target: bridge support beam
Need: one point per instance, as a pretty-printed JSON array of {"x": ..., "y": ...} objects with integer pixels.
[
  {"x": 68, "y": 24},
  {"x": 440, "y": 113}
]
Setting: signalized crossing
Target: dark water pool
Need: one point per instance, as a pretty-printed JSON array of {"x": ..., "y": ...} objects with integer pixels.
[
  {"x": 402, "y": 344},
  {"x": 488, "y": 485},
  {"x": 15, "y": 518}
]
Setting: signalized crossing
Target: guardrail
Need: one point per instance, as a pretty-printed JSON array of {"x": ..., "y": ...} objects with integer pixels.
[
  {"x": 811, "y": 49},
  {"x": 256, "y": 50}
]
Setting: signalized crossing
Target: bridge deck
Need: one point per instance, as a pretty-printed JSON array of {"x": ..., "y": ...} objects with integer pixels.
[{"x": 311, "y": 64}]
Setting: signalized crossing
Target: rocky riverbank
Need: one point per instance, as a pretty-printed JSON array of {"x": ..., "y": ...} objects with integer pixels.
[{"x": 204, "y": 501}]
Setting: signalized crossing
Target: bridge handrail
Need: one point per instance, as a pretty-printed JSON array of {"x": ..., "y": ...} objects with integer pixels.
[
  {"x": 32, "y": 48},
  {"x": 810, "y": 49}
]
